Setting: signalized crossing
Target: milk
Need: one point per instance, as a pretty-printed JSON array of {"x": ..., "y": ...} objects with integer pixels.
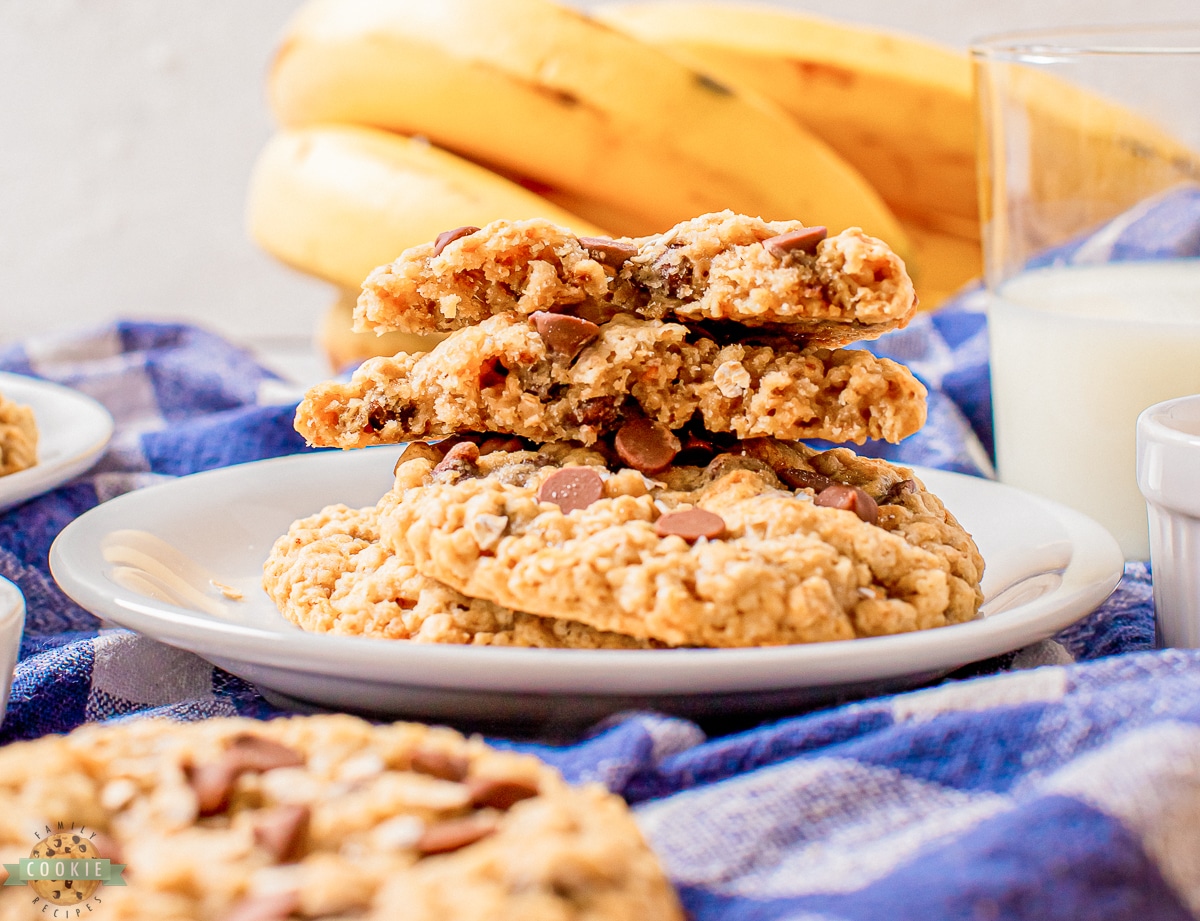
[{"x": 1077, "y": 353}]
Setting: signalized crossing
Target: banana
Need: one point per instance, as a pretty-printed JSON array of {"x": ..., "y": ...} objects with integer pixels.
[
  {"x": 945, "y": 263},
  {"x": 540, "y": 90},
  {"x": 897, "y": 108},
  {"x": 345, "y": 348},
  {"x": 337, "y": 201}
]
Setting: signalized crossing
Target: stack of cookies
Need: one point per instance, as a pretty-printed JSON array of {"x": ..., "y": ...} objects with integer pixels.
[{"x": 606, "y": 449}]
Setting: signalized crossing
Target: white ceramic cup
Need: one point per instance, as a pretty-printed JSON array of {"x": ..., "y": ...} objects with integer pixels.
[
  {"x": 1168, "y": 474},
  {"x": 12, "y": 624}
]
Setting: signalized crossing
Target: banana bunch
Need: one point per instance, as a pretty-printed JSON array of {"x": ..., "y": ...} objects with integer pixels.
[{"x": 405, "y": 118}]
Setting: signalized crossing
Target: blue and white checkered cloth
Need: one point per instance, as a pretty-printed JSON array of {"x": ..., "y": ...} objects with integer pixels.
[{"x": 1014, "y": 790}]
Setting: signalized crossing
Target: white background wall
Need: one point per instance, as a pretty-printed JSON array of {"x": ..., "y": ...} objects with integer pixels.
[{"x": 128, "y": 129}]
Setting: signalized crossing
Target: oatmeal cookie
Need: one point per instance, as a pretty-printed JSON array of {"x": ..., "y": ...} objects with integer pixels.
[
  {"x": 724, "y": 268},
  {"x": 326, "y": 816},
  {"x": 767, "y": 543},
  {"x": 18, "y": 437},
  {"x": 548, "y": 377},
  {"x": 330, "y": 574}
]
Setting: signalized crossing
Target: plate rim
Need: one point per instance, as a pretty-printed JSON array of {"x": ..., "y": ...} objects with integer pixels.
[
  {"x": 1093, "y": 571},
  {"x": 31, "y": 482}
]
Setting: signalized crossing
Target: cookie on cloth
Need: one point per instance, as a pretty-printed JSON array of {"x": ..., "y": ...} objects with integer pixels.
[
  {"x": 766, "y": 543},
  {"x": 330, "y": 574},
  {"x": 18, "y": 437},
  {"x": 326, "y": 816},
  {"x": 549, "y": 377},
  {"x": 724, "y": 267}
]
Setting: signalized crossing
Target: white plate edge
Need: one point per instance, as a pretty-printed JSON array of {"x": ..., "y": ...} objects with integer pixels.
[{"x": 507, "y": 670}]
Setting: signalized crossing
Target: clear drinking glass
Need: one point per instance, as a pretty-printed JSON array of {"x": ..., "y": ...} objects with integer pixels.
[{"x": 1090, "y": 201}]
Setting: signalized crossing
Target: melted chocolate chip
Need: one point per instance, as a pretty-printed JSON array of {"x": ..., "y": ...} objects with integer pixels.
[
  {"x": 492, "y": 374},
  {"x": 799, "y": 478},
  {"x": 696, "y": 451}
]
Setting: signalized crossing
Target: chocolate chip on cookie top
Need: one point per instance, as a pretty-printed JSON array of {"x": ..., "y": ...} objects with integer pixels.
[{"x": 571, "y": 488}]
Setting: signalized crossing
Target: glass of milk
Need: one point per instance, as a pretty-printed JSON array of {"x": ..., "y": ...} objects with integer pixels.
[{"x": 1089, "y": 163}]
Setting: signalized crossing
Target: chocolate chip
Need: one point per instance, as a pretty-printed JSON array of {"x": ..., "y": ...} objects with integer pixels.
[
  {"x": 248, "y": 752},
  {"x": 500, "y": 792},
  {"x": 446, "y": 237},
  {"x": 804, "y": 240},
  {"x": 417, "y": 449},
  {"x": 691, "y": 524},
  {"x": 213, "y": 785},
  {"x": 571, "y": 488},
  {"x": 850, "y": 498},
  {"x": 452, "y": 834},
  {"x": 799, "y": 478},
  {"x": 465, "y": 452},
  {"x": 901, "y": 489},
  {"x": 608, "y": 251},
  {"x": 280, "y": 831},
  {"x": 275, "y": 906},
  {"x": 564, "y": 335},
  {"x": 439, "y": 764},
  {"x": 646, "y": 446}
]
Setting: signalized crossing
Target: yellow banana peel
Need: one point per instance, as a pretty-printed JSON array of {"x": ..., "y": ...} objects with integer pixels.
[
  {"x": 898, "y": 108},
  {"x": 537, "y": 89},
  {"x": 343, "y": 347},
  {"x": 336, "y": 201},
  {"x": 945, "y": 264}
]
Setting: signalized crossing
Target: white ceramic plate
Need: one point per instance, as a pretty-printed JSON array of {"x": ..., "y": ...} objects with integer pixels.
[
  {"x": 73, "y": 430},
  {"x": 165, "y": 560}
]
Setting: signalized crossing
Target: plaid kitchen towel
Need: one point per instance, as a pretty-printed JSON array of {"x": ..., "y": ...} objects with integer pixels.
[{"x": 1060, "y": 781}]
